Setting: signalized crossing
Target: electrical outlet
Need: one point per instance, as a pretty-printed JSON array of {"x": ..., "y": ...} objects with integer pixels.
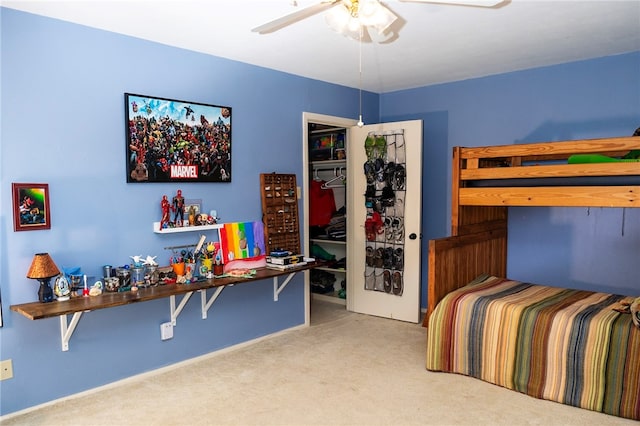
[
  {"x": 6, "y": 369},
  {"x": 166, "y": 331}
]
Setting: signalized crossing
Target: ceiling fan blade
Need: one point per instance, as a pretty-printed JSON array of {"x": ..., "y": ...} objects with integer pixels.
[
  {"x": 472, "y": 3},
  {"x": 294, "y": 17}
]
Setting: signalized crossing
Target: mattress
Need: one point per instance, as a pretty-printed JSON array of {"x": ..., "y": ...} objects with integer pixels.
[{"x": 563, "y": 345}]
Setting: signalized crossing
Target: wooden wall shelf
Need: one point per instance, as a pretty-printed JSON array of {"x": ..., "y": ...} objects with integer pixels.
[{"x": 77, "y": 306}]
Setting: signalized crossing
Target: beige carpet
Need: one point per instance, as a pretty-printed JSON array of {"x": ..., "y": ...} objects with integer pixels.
[{"x": 346, "y": 369}]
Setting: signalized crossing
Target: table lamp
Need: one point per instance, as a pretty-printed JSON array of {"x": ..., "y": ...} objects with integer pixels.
[{"x": 43, "y": 269}]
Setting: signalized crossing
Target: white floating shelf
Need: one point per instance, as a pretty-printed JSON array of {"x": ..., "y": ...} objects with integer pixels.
[{"x": 200, "y": 228}]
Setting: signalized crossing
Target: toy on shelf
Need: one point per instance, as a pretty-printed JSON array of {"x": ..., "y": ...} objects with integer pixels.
[
  {"x": 208, "y": 255},
  {"x": 166, "y": 209},
  {"x": 137, "y": 261},
  {"x": 178, "y": 208},
  {"x": 62, "y": 289}
]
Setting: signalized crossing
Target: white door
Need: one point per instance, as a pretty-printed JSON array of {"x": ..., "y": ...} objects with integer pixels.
[{"x": 383, "y": 273}]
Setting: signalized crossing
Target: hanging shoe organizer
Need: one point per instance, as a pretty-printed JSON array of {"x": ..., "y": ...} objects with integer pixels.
[
  {"x": 280, "y": 212},
  {"x": 385, "y": 173}
]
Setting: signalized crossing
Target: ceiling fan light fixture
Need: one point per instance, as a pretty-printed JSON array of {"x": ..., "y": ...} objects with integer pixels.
[
  {"x": 342, "y": 21},
  {"x": 354, "y": 32},
  {"x": 368, "y": 13},
  {"x": 353, "y": 24},
  {"x": 338, "y": 18},
  {"x": 383, "y": 19},
  {"x": 368, "y": 8},
  {"x": 373, "y": 14},
  {"x": 347, "y": 20}
]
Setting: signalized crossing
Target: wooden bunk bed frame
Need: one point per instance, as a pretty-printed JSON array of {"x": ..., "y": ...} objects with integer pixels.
[{"x": 478, "y": 244}]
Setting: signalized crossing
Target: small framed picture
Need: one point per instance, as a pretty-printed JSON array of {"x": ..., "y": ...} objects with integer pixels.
[
  {"x": 192, "y": 207},
  {"x": 31, "y": 206}
]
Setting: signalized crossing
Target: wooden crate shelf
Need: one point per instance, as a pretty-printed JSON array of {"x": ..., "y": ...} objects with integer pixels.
[{"x": 280, "y": 212}]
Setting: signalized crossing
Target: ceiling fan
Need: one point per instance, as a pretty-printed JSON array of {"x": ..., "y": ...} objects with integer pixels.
[{"x": 353, "y": 17}]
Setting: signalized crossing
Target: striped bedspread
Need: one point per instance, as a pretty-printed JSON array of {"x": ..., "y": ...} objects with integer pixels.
[{"x": 568, "y": 346}]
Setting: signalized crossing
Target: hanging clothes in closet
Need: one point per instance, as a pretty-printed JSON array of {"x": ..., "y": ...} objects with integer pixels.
[{"x": 322, "y": 204}]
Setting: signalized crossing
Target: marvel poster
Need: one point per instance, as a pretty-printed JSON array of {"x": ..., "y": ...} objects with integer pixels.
[{"x": 177, "y": 141}]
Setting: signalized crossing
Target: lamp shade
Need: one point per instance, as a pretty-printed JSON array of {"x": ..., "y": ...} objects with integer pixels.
[{"x": 42, "y": 266}]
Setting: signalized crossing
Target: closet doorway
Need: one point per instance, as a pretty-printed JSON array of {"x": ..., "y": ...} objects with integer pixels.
[
  {"x": 379, "y": 270},
  {"x": 325, "y": 209}
]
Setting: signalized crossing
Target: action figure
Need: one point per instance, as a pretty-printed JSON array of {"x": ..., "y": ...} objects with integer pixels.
[
  {"x": 178, "y": 208},
  {"x": 166, "y": 207}
]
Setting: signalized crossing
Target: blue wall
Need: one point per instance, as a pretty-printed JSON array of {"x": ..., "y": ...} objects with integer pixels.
[
  {"x": 63, "y": 124},
  {"x": 596, "y": 249}
]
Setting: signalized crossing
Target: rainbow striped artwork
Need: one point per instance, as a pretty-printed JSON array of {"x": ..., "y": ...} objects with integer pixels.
[{"x": 242, "y": 240}]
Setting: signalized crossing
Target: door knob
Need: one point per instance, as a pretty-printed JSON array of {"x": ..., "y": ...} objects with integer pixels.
[{"x": 412, "y": 236}]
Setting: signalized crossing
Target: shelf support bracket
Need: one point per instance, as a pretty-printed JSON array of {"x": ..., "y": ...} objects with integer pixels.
[
  {"x": 278, "y": 289},
  {"x": 176, "y": 311},
  {"x": 206, "y": 304},
  {"x": 66, "y": 330}
]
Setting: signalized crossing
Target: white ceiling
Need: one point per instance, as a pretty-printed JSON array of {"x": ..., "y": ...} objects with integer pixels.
[{"x": 435, "y": 43}]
